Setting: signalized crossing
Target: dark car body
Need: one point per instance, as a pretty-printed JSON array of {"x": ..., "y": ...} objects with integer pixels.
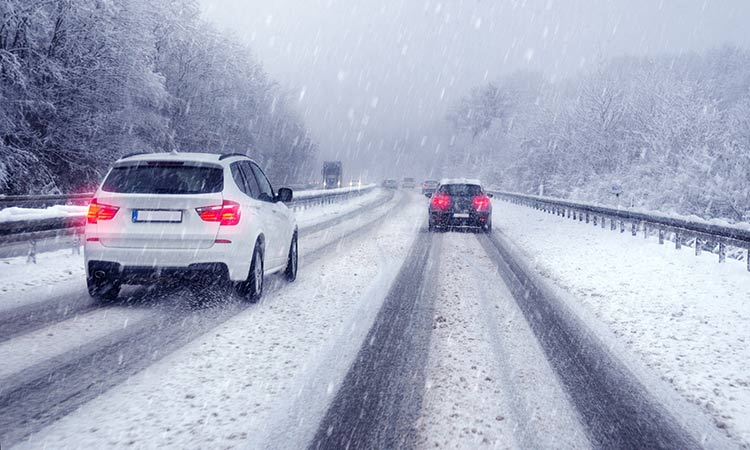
[
  {"x": 429, "y": 186},
  {"x": 390, "y": 183},
  {"x": 460, "y": 203}
]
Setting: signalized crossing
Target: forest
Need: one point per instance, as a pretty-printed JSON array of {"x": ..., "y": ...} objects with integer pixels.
[
  {"x": 83, "y": 82},
  {"x": 671, "y": 131}
]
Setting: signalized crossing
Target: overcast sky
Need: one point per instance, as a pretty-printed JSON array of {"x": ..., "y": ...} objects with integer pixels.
[{"x": 371, "y": 75}]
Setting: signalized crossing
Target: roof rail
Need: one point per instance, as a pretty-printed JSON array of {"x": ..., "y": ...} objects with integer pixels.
[
  {"x": 229, "y": 155},
  {"x": 133, "y": 154}
]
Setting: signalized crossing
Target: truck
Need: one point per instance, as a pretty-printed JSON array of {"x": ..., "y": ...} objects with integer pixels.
[{"x": 332, "y": 174}]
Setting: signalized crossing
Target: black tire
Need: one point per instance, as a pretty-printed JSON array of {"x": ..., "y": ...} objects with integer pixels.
[
  {"x": 252, "y": 289},
  {"x": 292, "y": 260},
  {"x": 103, "y": 289},
  {"x": 488, "y": 227}
]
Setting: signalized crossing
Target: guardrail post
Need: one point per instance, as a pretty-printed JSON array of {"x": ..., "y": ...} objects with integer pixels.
[
  {"x": 568, "y": 209},
  {"x": 634, "y": 229},
  {"x": 612, "y": 224},
  {"x": 747, "y": 258},
  {"x": 587, "y": 217},
  {"x": 31, "y": 257},
  {"x": 603, "y": 220},
  {"x": 661, "y": 236},
  {"x": 698, "y": 246},
  {"x": 580, "y": 217},
  {"x": 595, "y": 220},
  {"x": 622, "y": 226},
  {"x": 76, "y": 244},
  {"x": 722, "y": 252},
  {"x": 677, "y": 241}
]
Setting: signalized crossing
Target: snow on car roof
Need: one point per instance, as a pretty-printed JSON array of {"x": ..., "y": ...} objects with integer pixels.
[
  {"x": 460, "y": 181},
  {"x": 177, "y": 156}
]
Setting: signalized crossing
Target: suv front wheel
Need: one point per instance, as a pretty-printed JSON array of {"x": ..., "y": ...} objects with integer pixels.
[{"x": 292, "y": 260}]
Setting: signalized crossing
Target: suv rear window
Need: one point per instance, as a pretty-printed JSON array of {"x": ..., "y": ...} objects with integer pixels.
[
  {"x": 461, "y": 190},
  {"x": 164, "y": 179}
]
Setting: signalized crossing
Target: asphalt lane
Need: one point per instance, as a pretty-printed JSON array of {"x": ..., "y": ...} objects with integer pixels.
[{"x": 380, "y": 398}]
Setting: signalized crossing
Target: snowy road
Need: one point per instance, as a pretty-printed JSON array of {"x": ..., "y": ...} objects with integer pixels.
[
  {"x": 39, "y": 390},
  {"x": 392, "y": 337}
]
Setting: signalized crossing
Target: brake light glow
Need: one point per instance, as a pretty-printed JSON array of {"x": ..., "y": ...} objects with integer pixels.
[
  {"x": 481, "y": 203},
  {"x": 227, "y": 214},
  {"x": 441, "y": 201},
  {"x": 99, "y": 211}
]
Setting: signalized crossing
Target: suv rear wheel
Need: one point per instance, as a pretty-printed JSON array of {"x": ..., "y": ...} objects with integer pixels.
[
  {"x": 103, "y": 289},
  {"x": 252, "y": 288}
]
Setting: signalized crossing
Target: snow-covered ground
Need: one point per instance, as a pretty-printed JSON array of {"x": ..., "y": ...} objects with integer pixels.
[
  {"x": 488, "y": 382},
  {"x": 51, "y": 268},
  {"x": 686, "y": 318},
  {"x": 262, "y": 379}
]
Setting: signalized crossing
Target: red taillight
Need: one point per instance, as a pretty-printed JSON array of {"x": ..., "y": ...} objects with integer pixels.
[
  {"x": 99, "y": 211},
  {"x": 441, "y": 201},
  {"x": 481, "y": 203},
  {"x": 228, "y": 213}
]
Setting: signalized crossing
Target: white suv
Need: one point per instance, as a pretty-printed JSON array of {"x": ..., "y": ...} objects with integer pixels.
[{"x": 196, "y": 216}]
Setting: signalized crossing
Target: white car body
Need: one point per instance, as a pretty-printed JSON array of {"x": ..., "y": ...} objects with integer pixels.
[{"x": 158, "y": 233}]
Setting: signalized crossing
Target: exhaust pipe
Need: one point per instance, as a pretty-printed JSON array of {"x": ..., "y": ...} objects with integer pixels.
[{"x": 99, "y": 274}]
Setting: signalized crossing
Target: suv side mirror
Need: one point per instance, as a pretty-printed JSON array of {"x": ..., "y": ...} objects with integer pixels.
[
  {"x": 428, "y": 194},
  {"x": 490, "y": 195},
  {"x": 284, "y": 195}
]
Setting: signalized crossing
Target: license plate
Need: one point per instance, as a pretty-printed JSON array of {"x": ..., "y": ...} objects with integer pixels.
[
  {"x": 461, "y": 215},
  {"x": 150, "y": 215}
]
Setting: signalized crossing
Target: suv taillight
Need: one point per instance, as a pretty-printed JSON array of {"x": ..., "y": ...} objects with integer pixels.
[
  {"x": 441, "y": 201},
  {"x": 228, "y": 213},
  {"x": 99, "y": 211},
  {"x": 481, "y": 203}
]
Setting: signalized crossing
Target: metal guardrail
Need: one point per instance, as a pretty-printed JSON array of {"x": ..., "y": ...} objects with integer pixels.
[
  {"x": 32, "y": 230},
  {"x": 705, "y": 235}
]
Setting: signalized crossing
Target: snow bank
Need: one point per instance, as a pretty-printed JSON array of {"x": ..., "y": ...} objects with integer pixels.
[
  {"x": 14, "y": 213},
  {"x": 686, "y": 317}
]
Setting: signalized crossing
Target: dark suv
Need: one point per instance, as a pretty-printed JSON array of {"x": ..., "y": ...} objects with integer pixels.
[{"x": 460, "y": 203}]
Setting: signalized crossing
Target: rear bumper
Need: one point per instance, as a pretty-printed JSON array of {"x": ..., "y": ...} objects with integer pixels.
[
  {"x": 146, "y": 265},
  {"x": 150, "y": 274},
  {"x": 475, "y": 219}
]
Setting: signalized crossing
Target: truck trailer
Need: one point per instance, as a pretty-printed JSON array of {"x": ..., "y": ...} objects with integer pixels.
[{"x": 332, "y": 174}]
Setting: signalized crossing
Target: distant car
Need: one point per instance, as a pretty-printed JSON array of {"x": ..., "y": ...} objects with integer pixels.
[
  {"x": 194, "y": 216},
  {"x": 429, "y": 186},
  {"x": 408, "y": 183},
  {"x": 460, "y": 203},
  {"x": 390, "y": 183}
]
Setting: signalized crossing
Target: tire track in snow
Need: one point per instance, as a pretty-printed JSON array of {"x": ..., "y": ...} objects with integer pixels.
[
  {"x": 615, "y": 408},
  {"x": 379, "y": 400}
]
